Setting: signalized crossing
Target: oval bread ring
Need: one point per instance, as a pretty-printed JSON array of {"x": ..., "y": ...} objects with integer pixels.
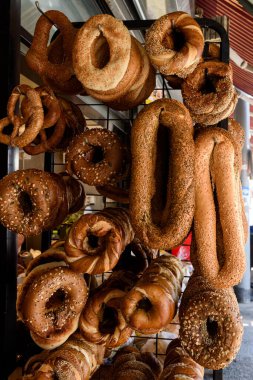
[
  {"x": 162, "y": 49},
  {"x": 37, "y": 56},
  {"x": 57, "y": 322},
  {"x": 218, "y": 97},
  {"x": 216, "y": 148},
  {"x": 210, "y": 324},
  {"x": 119, "y": 74},
  {"x": 35, "y": 122},
  {"x": 81, "y": 154},
  {"x": 175, "y": 222},
  {"x": 129, "y": 79},
  {"x": 55, "y": 53},
  {"x": 43, "y": 143},
  {"x": 49, "y": 101}
]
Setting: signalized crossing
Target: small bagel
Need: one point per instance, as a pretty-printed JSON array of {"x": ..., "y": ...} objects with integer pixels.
[
  {"x": 95, "y": 156},
  {"x": 50, "y": 302},
  {"x": 174, "y": 42},
  {"x": 210, "y": 324},
  {"x": 209, "y": 89}
]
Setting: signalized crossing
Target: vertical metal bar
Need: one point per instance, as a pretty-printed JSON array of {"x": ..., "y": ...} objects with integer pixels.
[
  {"x": 218, "y": 375},
  {"x": 9, "y": 77}
]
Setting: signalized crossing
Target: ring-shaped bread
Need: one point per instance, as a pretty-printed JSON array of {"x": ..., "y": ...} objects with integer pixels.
[
  {"x": 50, "y": 302},
  {"x": 174, "y": 42},
  {"x": 96, "y": 156},
  {"x": 217, "y": 198},
  {"x": 174, "y": 221}
]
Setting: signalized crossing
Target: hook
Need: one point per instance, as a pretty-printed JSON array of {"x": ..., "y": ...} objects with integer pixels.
[{"x": 37, "y": 4}]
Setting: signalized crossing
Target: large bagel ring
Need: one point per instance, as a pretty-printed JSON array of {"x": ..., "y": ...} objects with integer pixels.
[{"x": 176, "y": 209}]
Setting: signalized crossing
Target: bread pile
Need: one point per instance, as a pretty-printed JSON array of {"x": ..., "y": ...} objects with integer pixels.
[{"x": 181, "y": 179}]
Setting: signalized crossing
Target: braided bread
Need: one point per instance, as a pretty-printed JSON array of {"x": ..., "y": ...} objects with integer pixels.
[
  {"x": 152, "y": 303},
  {"x": 179, "y": 365},
  {"x": 210, "y": 324},
  {"x": 96, "y": 241},
  {"x": 101, "y": 321}
]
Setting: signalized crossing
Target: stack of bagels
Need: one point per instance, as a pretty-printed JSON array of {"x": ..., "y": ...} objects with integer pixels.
[{"x": 184, "y": 175}]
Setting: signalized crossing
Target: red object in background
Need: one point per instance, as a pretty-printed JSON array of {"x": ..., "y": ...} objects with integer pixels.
[{"x": 183, "y": 251}]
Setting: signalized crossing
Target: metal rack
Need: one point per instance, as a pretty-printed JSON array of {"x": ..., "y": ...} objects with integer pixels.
[{"x": 8, "y": 269}]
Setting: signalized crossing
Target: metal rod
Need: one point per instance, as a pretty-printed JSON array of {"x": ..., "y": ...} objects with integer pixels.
[{"x": 37, "y": 4}]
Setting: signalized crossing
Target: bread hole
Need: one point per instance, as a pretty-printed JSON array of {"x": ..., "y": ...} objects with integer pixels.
[
  {"x": 93, "y": 241},
  {"x": 25, "y": 202},
  {"x": 109, "y": 320},
  {"x": 144, "y": 304},
  {"x": 212, "y": 327},
  {"x": 174, "y": 40},
  {"x": 208, "y": 84},
  {"x": 56, "y": 301},
  {"x": 97, "y": 155},
  {"x": 100, "y": 52}
]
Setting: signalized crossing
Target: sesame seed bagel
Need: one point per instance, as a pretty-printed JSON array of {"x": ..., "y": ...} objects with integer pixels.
[
  {"x": 173, "y": 222},
  {"x": 210, "y": 324},
  {"x": 174, "y": 42},
  {"x": 33, "y": 200},
  {"x": 95, "y": 156}
]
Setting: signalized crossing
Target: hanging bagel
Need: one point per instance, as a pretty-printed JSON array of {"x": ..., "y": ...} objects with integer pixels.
[
  {"x": 175, "y": 44},
  {"x": 217, "y": 173},
  {"x": 165, "y": 222}
]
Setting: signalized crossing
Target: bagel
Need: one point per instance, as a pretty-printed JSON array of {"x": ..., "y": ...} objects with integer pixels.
[
  {"x": 32, "y": 201},
  {"x": 210, "y": 324},
  {"x": 50, "y": 302},
  {"x": 96, "y": 241},
  {"x": 174, "y": 44},
  {"x": 152, "y": 303},
  {"x": 95, "y": 156},
  {"x": 172, "y": 224}
]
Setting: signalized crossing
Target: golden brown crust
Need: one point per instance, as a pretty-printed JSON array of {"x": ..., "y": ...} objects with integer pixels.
[
  {"x": 161, "y": 43},
  {"x": 152, "y": 302},
  {"x": 96, "y": 241},
  {"x": 216, "y": 171},
  {"x": 210, "y": 324},
  {"x": 174, "y": 222}
]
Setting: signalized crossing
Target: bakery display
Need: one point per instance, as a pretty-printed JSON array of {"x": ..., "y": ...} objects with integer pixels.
[
  {"x": 158, "y": 213},
  {"x": 111, "y": 282}
]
